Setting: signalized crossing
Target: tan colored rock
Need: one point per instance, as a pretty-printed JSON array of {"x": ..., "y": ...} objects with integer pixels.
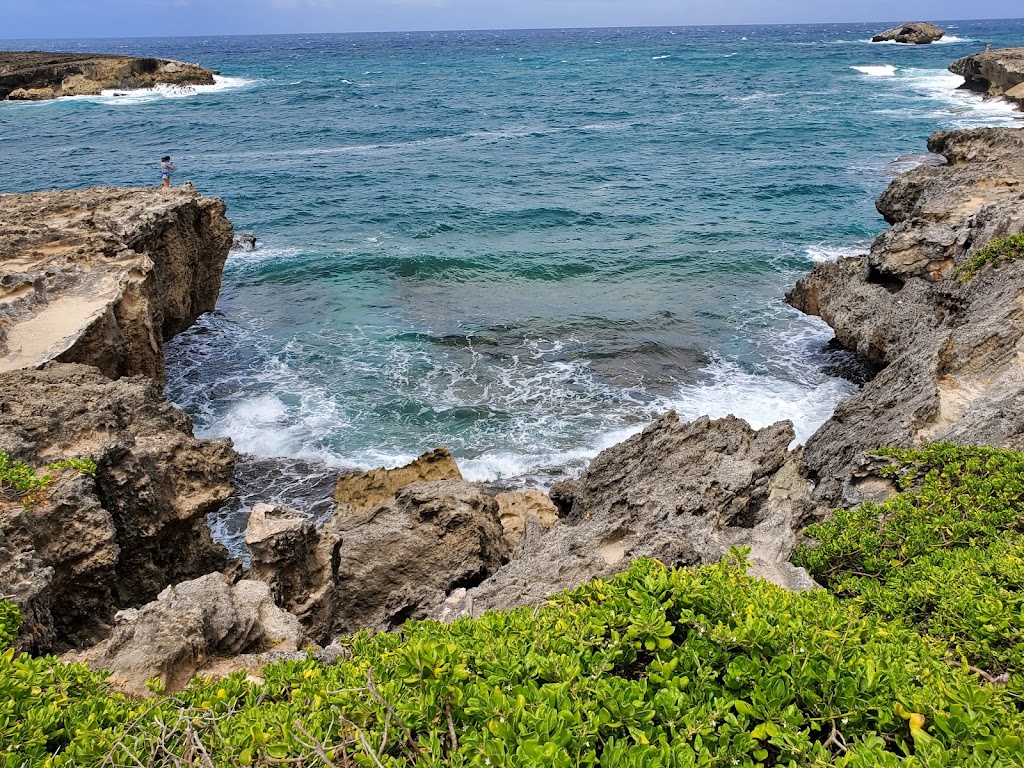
[
  {"x": 115, "y": 540},
  {"x": 283, "y": 544},
  {"x": 515, "y": 508},
  {"x": 104, "y": 276},
  {"x": 37, "y": 75},
  {"x": 355, "y": 493},
  {"x": 187, "y": 625},
  {"x": 950, "y": 354},
  {"x": 999, "y": 72}
]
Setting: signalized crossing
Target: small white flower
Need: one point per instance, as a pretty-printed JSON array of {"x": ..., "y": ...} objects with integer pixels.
[{"x": 845, "y": 720}]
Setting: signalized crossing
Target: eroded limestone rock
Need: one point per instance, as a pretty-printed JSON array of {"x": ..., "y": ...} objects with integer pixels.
[
  {"x": 187, "y": 625},
  {"x": 398, "y": 560},
  {"x": 999, "y": 72},
  {"x": 104, "y": 276},
  {"x": 115, "y": 540},
  {"x": 950, "y": 352},
  {"x": 40, "y": 75},
  {"x": 356, "y": 492}
]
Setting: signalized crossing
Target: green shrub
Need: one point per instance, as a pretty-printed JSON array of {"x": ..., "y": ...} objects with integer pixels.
[
  {"x": 996, "y": 251},
  {"x": 655, "y": 667},
  {"x": 946, "y": 554},
  {"x": 19, "y": 481}
]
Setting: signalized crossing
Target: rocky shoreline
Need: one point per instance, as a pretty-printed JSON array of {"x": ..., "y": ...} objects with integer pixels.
[
  {"x": 105, "y": 563},
  {"x": 39, "y": 76},
  {"x": 998, "y": 73}
]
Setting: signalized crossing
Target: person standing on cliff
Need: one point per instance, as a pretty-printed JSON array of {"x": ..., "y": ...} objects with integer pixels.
[{"x": 166, "y": 166}]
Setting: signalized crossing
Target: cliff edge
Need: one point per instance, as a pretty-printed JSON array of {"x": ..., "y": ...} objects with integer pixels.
[
  {"x": 950, "y": 350},
  {"x": 104, "y": 276},
  {"x": 994, "y": 73},
  {"x": 38, "y": 75}
]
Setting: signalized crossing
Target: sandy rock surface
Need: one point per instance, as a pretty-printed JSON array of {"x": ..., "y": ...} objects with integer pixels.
[{"x": 105, "y": 275}]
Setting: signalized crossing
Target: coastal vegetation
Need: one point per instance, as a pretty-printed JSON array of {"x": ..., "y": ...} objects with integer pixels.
[
  {"x": 997, "y": 251},
  {"x": 20, "y": 482},
  {"x": 910, "y": 657}
]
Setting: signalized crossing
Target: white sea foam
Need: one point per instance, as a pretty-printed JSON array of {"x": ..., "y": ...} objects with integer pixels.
[
  {"x": 878, "y": 70},
  {"x": 655, "y": 58},
  {"x": 821, "y": 252},
  {"x": 120, "y": 97}
]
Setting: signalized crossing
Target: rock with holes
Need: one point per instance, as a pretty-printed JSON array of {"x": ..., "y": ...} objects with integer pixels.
[
  {"x": 519, "y": 509},
  {"x": 949, "y": 352},
  {"x": 361, "y": 491},
  {"x": 186, "y": 626},
  {"x": 999, "y": 72},
  {"x": 684, "y": 493},
  {"x": 377, "y": 567},
  {"x": 912, "y": 33}
]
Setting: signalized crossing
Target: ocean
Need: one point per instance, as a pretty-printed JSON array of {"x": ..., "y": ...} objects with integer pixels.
[{"x": 520, "y": 245}]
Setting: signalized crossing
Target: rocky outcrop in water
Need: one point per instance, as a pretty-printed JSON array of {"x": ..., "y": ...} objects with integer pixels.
[
  {"x": 187, "y": 625},
  {"x": 39, "y": 75},
  {"x": 914, "y": 33},
  {"x": 104, "y": 276},
  {"x": 994, "y": 73},
  {"x": 949, "y": 352},
  {"x": 115, "y": 540}
]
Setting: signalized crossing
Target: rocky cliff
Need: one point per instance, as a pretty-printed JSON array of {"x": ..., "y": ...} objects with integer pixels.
[
  {"x": 103, "y": 276},
  {"x": 994, "y": 73},
  {"x": 38, "y": 75},
  {"x": 949, "y": 350},
  {"x": 91, "y": 283}
]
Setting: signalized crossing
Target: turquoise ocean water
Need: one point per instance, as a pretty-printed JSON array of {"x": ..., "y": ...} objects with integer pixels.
[{"x": 519, "y": 245}]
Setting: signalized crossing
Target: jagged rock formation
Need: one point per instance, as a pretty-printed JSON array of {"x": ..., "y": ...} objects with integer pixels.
[
  {"x": 38, "y": 75},
  {"x": 104, "y": 276},
  {"x": 396, "y": 561},
  {"x": 684, "y": 493},
  {"x": 519, "y": 509},
  {"x": 357, "y": 492},
  {"x": 949, "y": 352},
  {"x": 117, "y": 539},
  {"x": 243, "y": 242},
  {"x": 916, "y": 33},
  {"x": 994, "y": 73},
  {"x": 189, "y": 623}
]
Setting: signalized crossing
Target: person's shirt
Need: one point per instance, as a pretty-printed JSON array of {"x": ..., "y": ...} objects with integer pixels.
[{"x": 166, "y": 167}]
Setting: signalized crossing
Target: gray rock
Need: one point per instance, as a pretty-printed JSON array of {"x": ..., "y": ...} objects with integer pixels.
[
  {"x": 916, "y": 33},
  {"x": 243, "y": 242},
  {"x": 187, "y": 625},
  {"x": 680, "y": 492},
  {"x": 398, "y": 560}
]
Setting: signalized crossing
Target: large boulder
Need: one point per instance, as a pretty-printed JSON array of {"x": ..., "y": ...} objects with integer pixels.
[
  {"x": 916, "y": 33},
  {"x": 378, "y": 567},
  {"x": 186, "y": 626},
  {"x": 685, "y": 493},
  {"x": 95, "y": 544},
  {"x": 949, "y": 351}
]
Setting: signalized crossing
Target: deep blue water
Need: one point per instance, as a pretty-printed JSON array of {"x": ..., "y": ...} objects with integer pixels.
[{"x": 519, "y": 245}]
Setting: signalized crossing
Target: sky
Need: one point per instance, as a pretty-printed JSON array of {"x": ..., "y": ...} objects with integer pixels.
[{"x": 21, "y": 19}]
